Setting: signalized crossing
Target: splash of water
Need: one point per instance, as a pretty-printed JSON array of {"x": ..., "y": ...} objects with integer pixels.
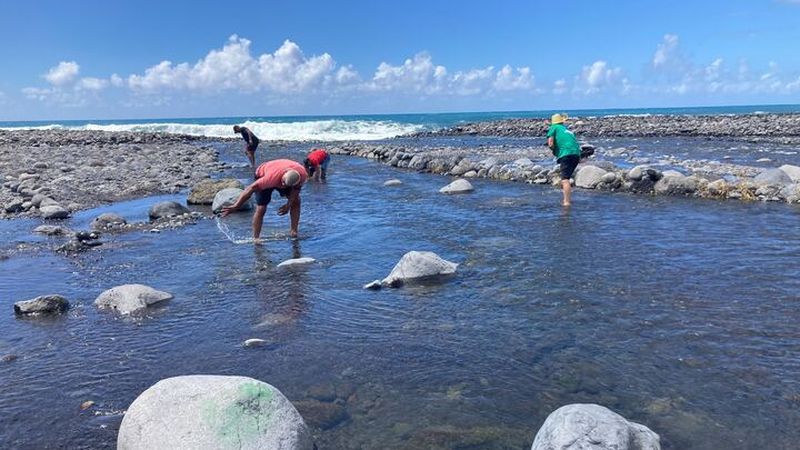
[{"x": 225, "y": 230}]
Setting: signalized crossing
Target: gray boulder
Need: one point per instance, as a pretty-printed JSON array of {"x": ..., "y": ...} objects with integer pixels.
[
  {"x": 203, "y": 192},
  {"x": 592, "y": 427},
  {"x": 53, "y": 212},
  {"x": 52, "y": 230},
  {"x": 792, "y": 171},
  {"x": 588, "y": 177},
  {"x": 44, "y": 304},
  {"x": 639, "y": 173},
  {"x": 772, "y": 177},
  {"x": 103, "y": 221},
  {"x": 676, "y": 185},
  {"x": 457, "y": 187},
  {"x": 213, "y": 412},
  {"x": 416, "y": 265},
  {"x": 227, "y": 197},
  {"x": 130, "y": 298},
  {"x": 163, "y": 210}
]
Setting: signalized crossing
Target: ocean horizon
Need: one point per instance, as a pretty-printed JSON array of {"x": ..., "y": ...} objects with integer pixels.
[{"x": 357, "y": 127}]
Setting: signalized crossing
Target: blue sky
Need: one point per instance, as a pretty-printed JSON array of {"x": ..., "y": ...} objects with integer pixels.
[{"x": 148, "y": 59}]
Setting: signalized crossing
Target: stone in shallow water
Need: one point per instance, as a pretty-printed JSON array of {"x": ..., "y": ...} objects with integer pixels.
[
  {"x": 254, "y": 342},
  {"x": 772, "y": 177},
  {"x": 52, "y": 230},
  {"x": 103, "y": 221},
  {"x": 213, "y": 412},
  {"x": 296, "y": 262},
  {"x": 204, "y": 191},
  {"x": 590, "y": 426},
  {"x": 588, "y": 177},
  {"x": 320, "y": 414},
  {"x": 393, "y": 182},
  {"x": 418, "y": 265},
  {"x": 53, "y": 212},
  {"x": 227, "y": 197},
  {"x": 44, "y": 304},
  {"x": 130, "y": 298},
  {"x": 457, "y": 187},
  {"x": 164, "y": 210},
  {"x": 792, "y": 171}
]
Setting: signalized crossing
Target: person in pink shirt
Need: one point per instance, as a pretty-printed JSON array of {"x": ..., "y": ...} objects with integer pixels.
[{"x": 287, "y": 177}]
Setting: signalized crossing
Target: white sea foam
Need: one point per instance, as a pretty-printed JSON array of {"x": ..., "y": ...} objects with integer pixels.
[{"x": 312, "y": 130}]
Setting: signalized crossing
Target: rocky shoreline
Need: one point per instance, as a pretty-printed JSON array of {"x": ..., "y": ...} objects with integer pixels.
[
  {"x": 781, "y": 127},
  {"x": 52, "y": 173},
  {"x": 535, "y": 165}
]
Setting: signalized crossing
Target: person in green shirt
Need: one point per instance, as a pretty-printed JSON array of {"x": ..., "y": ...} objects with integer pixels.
[{"x": 566, "y": 150}]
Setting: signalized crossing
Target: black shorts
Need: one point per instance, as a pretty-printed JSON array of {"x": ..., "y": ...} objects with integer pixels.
[
  {"x": 252, "y": 147},
  {"x": 263, "y": 197},
  {"x": 568, "y": 164}
]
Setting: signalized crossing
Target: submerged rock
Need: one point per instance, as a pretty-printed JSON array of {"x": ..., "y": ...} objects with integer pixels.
[
  {"x": 590, "y": 426},
  {"x": 213, "y": 412},
  {"x": 108, "y": 220},
  {"x": 393, "y": 182},
  {"x": 163, "y": 210},
  {"x": 130, "y": 298},
  {"x": 254, "y": 342},
  {"x": 296, "y": 262},
  {"x": 321, "y": 415},
  {"x": 227, "y": 197},
  {"x": 418, "y": 265},
  {"x": 44, "y": 304},
  {"x": 52, "y": 230},
  {"x": 457, "y": 187},
  {"x": 203, "y": 192}
]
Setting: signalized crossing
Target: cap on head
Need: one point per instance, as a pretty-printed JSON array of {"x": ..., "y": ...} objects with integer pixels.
[
  {"x": 290, "y": 178},
  {"x": 558, "y": 118}
]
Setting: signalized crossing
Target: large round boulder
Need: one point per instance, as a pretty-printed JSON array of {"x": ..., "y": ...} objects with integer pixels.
[
  {"x": 792, "y": 171},
  {"x": 416, "y": 265},
  {"x": 457, "y": 187},
  {"x": 164, "y": 210},
  {"x": 213, "y": 412},
  {"x": 227, "y": 197},
  {"x": 53, "y": 212},
  {"x": 107, "y": 220},
  {"x": 588, "y": 177},
  {"x": 204, "y": 191},
  {"x": 130, "y": 298},
  {"x": 44, "y": 304},
  {"x": 676, "y": 185},
  {"x": 590, "y": 426},
  {"x": 772, "y": 177}
]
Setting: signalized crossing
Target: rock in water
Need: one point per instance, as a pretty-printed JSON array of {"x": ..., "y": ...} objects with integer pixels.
[
  {"x": 393, "y": 182},
  {"x": 44, "y": 304},
  {"x": 163, "y": 210},
  {"x": 53, "y": 212},
  {"x": 589, "y": 426},
  {"x": 457, "y": 187},
  {"x": 213, "y": 412},
  {"x": 52, "y": 230},
  {"x": 792, "y": 171},
  {"x": 227, "y": 197},
  {"x": 253, "y": 342},
  {"x": 588, "y": 177},
  {"x": 203, "y": 192},
  {"x": 772, "y": 177},
  {"x": 296, "y": 262},
  {"x": 417, "y": 265},
  {"x": 130, "y": 298},
  {"x": 374, "y": 285},
  {"x": 103, "y": 221},
  {"x": 676, "y": 185}
]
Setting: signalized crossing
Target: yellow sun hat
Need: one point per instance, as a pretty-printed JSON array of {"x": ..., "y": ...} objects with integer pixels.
[{"x": 558, "y": 118}]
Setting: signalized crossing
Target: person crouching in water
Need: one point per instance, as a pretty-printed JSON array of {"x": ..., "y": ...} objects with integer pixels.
[
  {"x": 566, "y": 150},
  {"x": 287, "y": 177},
  {"x": 316, "y": 164}
]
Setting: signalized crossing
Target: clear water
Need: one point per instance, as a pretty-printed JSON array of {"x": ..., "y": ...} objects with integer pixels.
[{"x": 680, "y": 314}]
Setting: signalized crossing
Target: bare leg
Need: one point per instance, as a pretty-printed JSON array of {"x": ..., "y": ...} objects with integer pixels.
[
  {"x": 294, "y": 217},
  {"x": 567, "y": 188},
  {"x": 251, "y": 156},
  {"x": 258, "y": 220}
]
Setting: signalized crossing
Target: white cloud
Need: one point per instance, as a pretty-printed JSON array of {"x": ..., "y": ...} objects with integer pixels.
[
  {"x": 92, "y": 84},
  {"x": 116, "y": 80},
  {"x": 418, "y": 74},
  {"x": 62, "y": 74},
  {"x": 509, "y": 80},
  {"x": 598, "y": 76},
  {"x": 560, "y": 86},
  {"x": 667, "y": 52}
]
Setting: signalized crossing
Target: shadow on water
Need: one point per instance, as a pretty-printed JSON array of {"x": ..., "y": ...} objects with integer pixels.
[{"x": 679, "y": 314}]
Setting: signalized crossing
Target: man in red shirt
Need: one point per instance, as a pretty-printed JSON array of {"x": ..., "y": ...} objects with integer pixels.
[
  {"x": 287, "y": 177},
  {"x": 316, "y": 164}
]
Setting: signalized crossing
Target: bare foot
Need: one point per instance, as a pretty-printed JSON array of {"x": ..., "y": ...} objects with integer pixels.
[{"x": 565, "y": 204}]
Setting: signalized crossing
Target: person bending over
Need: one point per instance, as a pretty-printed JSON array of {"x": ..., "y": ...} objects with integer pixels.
[
  {"x": 566, "y": 150},
  {"x": 251, "y": 142},
  {"x": 316, "y": 164},
  {"x": 285, "y": 176}
]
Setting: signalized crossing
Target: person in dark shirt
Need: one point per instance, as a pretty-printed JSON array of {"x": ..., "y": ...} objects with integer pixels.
[{"x": 251, "y": 143}]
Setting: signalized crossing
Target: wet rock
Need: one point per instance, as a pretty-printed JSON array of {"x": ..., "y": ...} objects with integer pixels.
[
  {"x": 44, "y": 304},
  {"x": 74, "y": 246},
  {"x": 672, "y": 173},
  {"x": 53, "y": 212},
  {"x": 791, "y": 193},
  {"x": 393, "y": 182},
  {"x": 163, "y": 210},
  {"x": 588, "y": 177},
  {"x": 213, "y": 412},
  {"x": 374, "y": 285},
  {"x": 14, "y": 206},
  {"x": 130, "y": 298},
  {"x": 320, "y": 414},
  {"x": 471, "y": 174},
  {"x": 457, "y": 187},
  {"x": 296, "y": 262},
  {"x": 718, "y": 187},
  {"x": 86, "y": 405},
  {"x": 416, "y": 265},
  {"x": 254, "y": 342},
  {"x": 590, "y": 426},
  {"x": 609, "y": 178},
  {"x": 9, "y": 358},
  {"x": 227, "y": 197},
  {"x": 108, "y": 220},
  {"x": 204, "y": 191},
  {"x": 792, "y": 171},
  {"x": 52, "y": 230},
  {"x": 772, "y": 177},
  {"x": 676, "y": 185}
]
